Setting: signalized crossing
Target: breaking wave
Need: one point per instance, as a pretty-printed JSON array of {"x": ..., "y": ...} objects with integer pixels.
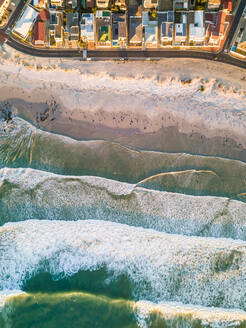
[
  {"x": 154, "y": 266},
  {"x": 22, "y": 145},
  {"x": 77, "y": 309},
  {"x": 27, "y": 194},
  {"x": 91, "y": 255}
]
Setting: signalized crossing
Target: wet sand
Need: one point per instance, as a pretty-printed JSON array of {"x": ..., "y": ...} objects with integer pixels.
[{"x": 173, "y": 105}]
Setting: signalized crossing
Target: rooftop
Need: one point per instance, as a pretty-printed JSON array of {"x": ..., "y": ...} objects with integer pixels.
[
  {"x": 72, "y": 20},
  {"x": 181, "y": 4},
  {"x": 167, "y": 29},
  {"x": 43, "y": 15},
  {"x": 104, "y": 33},
  {"x": 26, "y": 21},
  {"x": 119, "y": 26},
  {"x": 151, "y": 34},
  {"x": 147, "y": 19},
  {"x": 197, "y": 30},
  {"x": 39, "y": 32},
  {"x": 87, "y": 27},
  {"x": 148, "y": 4},
  {"x": 105, "y": 14},
  {"x": 136, "y": 33},
  {"x": 166, "y": 16},
  {"x": 180, "y": 29}
]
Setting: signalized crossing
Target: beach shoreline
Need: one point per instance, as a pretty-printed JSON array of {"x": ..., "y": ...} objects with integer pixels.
[{"x": 173, "y": 105}]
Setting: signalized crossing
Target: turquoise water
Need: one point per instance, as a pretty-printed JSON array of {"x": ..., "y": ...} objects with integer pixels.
[
  {"x": 85, "y": 242},
  {"x": 71, "y": 309}
]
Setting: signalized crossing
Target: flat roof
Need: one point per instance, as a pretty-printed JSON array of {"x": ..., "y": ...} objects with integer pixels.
[
  {"x": 87, "y": 26},
  {"x": 197, "y": 29},
  {"x": 167, "y": 29},
  {"x": 39, "y": 31},
  {"x": 135, "y": 34},
  {"x": 197, "y": 32},
  {"x": 151, "y": 34},
  {"x": 26, "y": 21},
  {"x": 166, "y": 16}
]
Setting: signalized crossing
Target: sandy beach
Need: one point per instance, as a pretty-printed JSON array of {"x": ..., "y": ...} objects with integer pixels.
[
  {"x": 112, "y": 214},
  {"x": 174, "y": 105}
]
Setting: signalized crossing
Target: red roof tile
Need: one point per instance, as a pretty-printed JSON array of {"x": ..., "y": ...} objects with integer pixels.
[
  {"x": 43, "y": 15},
  {"x": 39, "y": 31},
  {"x": 219, "y": 28},
  {"x": 227, "y": 4}
]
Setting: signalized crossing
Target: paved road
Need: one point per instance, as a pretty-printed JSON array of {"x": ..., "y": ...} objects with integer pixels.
[
  {"x": 127, "y": 54},
  {"x": 132, "y": 53},
  {"x": 110, "y": 53},
  {"x": 236, "y": 19}
]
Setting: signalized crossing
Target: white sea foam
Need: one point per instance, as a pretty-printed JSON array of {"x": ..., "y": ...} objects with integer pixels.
[
  {"x": 87, "y": 197},
  {"x": 5, "y": 295},
  {"x": 28, "y": 178},
  {"x": 171, "y": 311},
  {"x": 163, "y": 267}
]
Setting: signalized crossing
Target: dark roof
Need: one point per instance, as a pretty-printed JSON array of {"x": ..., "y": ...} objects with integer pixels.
[
  {"x": 219, "y": 28},
  {"x": 53, "y": 19},
  {"x": 167, "y": 29},
  {"x": 115, "y": 31},
  {"x": 210, "y": 17},
  {"x": 117, "y": 17},
  {"x": 165, "y": 17},
  {"x": 136, "y": 29},
  {"x": 119, "y": 25}
]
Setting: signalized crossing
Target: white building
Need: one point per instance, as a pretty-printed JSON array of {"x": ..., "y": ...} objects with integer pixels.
[
  {"x": 150, "y": 27},
  {"x": 25, "y": 23},
  {"x": 87, "y": 27},
  {"x": 197, "y": 30}
]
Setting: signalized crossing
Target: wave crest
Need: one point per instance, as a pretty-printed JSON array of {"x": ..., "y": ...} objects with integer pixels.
[
  {"x": 27, "y": 194},
  {"x": 161, "y": 267}
]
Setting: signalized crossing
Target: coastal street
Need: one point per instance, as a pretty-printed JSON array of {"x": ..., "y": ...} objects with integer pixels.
[
  {"x": 222, "y": 56},
  {"x": 234, "y": 25},
  {"x": 127, "y": 54}
]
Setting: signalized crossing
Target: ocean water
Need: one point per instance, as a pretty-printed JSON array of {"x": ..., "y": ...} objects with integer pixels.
[{"x": 94, "y": 234}]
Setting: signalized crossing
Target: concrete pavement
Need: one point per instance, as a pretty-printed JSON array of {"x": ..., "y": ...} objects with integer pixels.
[{"x": 131, "y": 53}]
